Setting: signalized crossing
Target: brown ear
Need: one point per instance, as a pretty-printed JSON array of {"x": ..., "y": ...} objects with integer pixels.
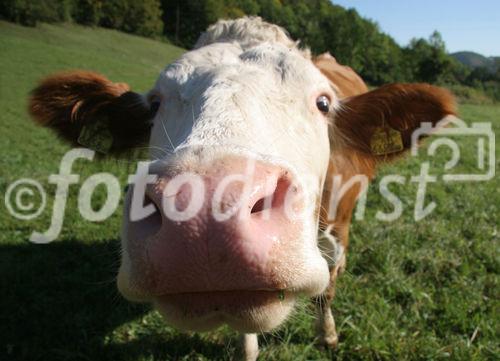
[
  {"x": 85, "y": 108},
  {"x": 343, "y": 79},
  {"x": 378, "y": 116},
  {"x": 379, "y": 124}
]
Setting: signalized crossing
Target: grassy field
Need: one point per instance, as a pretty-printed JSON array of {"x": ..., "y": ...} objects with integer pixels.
[{"x": 425, "y": 290}]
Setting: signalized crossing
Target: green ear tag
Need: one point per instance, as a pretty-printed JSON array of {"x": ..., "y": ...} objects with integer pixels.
[
  {"x": 386, "y": 140},
  {"x": 96, "y": 136}
]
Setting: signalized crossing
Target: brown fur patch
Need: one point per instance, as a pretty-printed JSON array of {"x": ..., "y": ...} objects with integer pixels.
[
  {"x": 65, "y": 102},
  {"x": 345, "y": 80}
]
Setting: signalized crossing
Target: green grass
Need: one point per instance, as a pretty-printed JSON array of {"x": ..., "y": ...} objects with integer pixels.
[{"x": 412, "y": 291}]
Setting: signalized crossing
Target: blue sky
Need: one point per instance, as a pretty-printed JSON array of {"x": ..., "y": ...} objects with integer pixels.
[{"x": 465, "y": 25}]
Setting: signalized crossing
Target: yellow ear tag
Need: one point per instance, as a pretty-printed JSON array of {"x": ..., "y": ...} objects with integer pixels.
[
  {"x": 386, "y": 140},
  {"x": 96, "y": 136}
]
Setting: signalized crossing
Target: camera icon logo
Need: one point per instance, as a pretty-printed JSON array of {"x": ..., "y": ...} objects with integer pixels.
[{"x": 457, "y": 128}]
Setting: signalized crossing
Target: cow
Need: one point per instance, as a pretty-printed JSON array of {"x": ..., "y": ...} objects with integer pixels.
[{"x": 252, "y": 119}]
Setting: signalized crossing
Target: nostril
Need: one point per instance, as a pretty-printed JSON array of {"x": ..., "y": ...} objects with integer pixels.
[
  {"x": 274, "y": 200},
  {"x": 262, "y": 204},
  {"x": 146, "y": 227}
]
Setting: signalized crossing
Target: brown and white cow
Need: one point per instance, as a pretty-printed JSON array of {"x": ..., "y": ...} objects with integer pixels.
[{"x": 247, "y": 97}]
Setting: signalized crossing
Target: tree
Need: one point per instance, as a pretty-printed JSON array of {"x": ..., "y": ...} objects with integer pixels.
[
  {"x": 428, "y": 59},
  {"x": 87, "y": 12},
  {"x": 27, "y": 12},
  {"x": 143, "y": 18}
]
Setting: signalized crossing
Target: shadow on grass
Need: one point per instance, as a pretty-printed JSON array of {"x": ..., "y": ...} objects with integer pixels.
[{"x": 59, "y": 301}]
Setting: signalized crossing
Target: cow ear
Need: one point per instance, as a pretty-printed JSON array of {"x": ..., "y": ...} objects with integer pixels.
[
  {"x": 86, "y": 109},
  {"x": 379, "y": 124}
]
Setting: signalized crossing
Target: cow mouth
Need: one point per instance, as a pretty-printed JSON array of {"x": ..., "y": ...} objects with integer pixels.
[{"x": 242, "y": 310}]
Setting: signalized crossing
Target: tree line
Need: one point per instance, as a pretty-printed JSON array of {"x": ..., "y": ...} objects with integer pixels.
[{"x": 319, "y": 24}]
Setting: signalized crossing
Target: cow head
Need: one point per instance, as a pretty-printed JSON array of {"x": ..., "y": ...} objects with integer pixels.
[{"x": 243, "y": 131}]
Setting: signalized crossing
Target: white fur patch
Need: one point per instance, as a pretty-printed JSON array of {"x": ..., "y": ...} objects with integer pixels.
[{"x": 247, "y": 32}]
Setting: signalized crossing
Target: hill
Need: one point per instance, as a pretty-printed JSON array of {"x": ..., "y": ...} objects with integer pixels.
[
  {"x": 47, "y": 48},
  {"x": 475, "y": 60}
]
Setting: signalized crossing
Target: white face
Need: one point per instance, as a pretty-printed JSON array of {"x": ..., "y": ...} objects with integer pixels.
[
  {"x": 223, "y": 105},
  {"x": 262, "y": 100}
]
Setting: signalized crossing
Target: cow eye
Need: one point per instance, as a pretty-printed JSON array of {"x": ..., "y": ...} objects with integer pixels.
[
  {"x": 154, "y": 105},
  {"x": 323, "y": 103}
]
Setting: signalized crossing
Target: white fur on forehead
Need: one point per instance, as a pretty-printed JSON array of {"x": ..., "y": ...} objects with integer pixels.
[{"x": 247, "y": 32}]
